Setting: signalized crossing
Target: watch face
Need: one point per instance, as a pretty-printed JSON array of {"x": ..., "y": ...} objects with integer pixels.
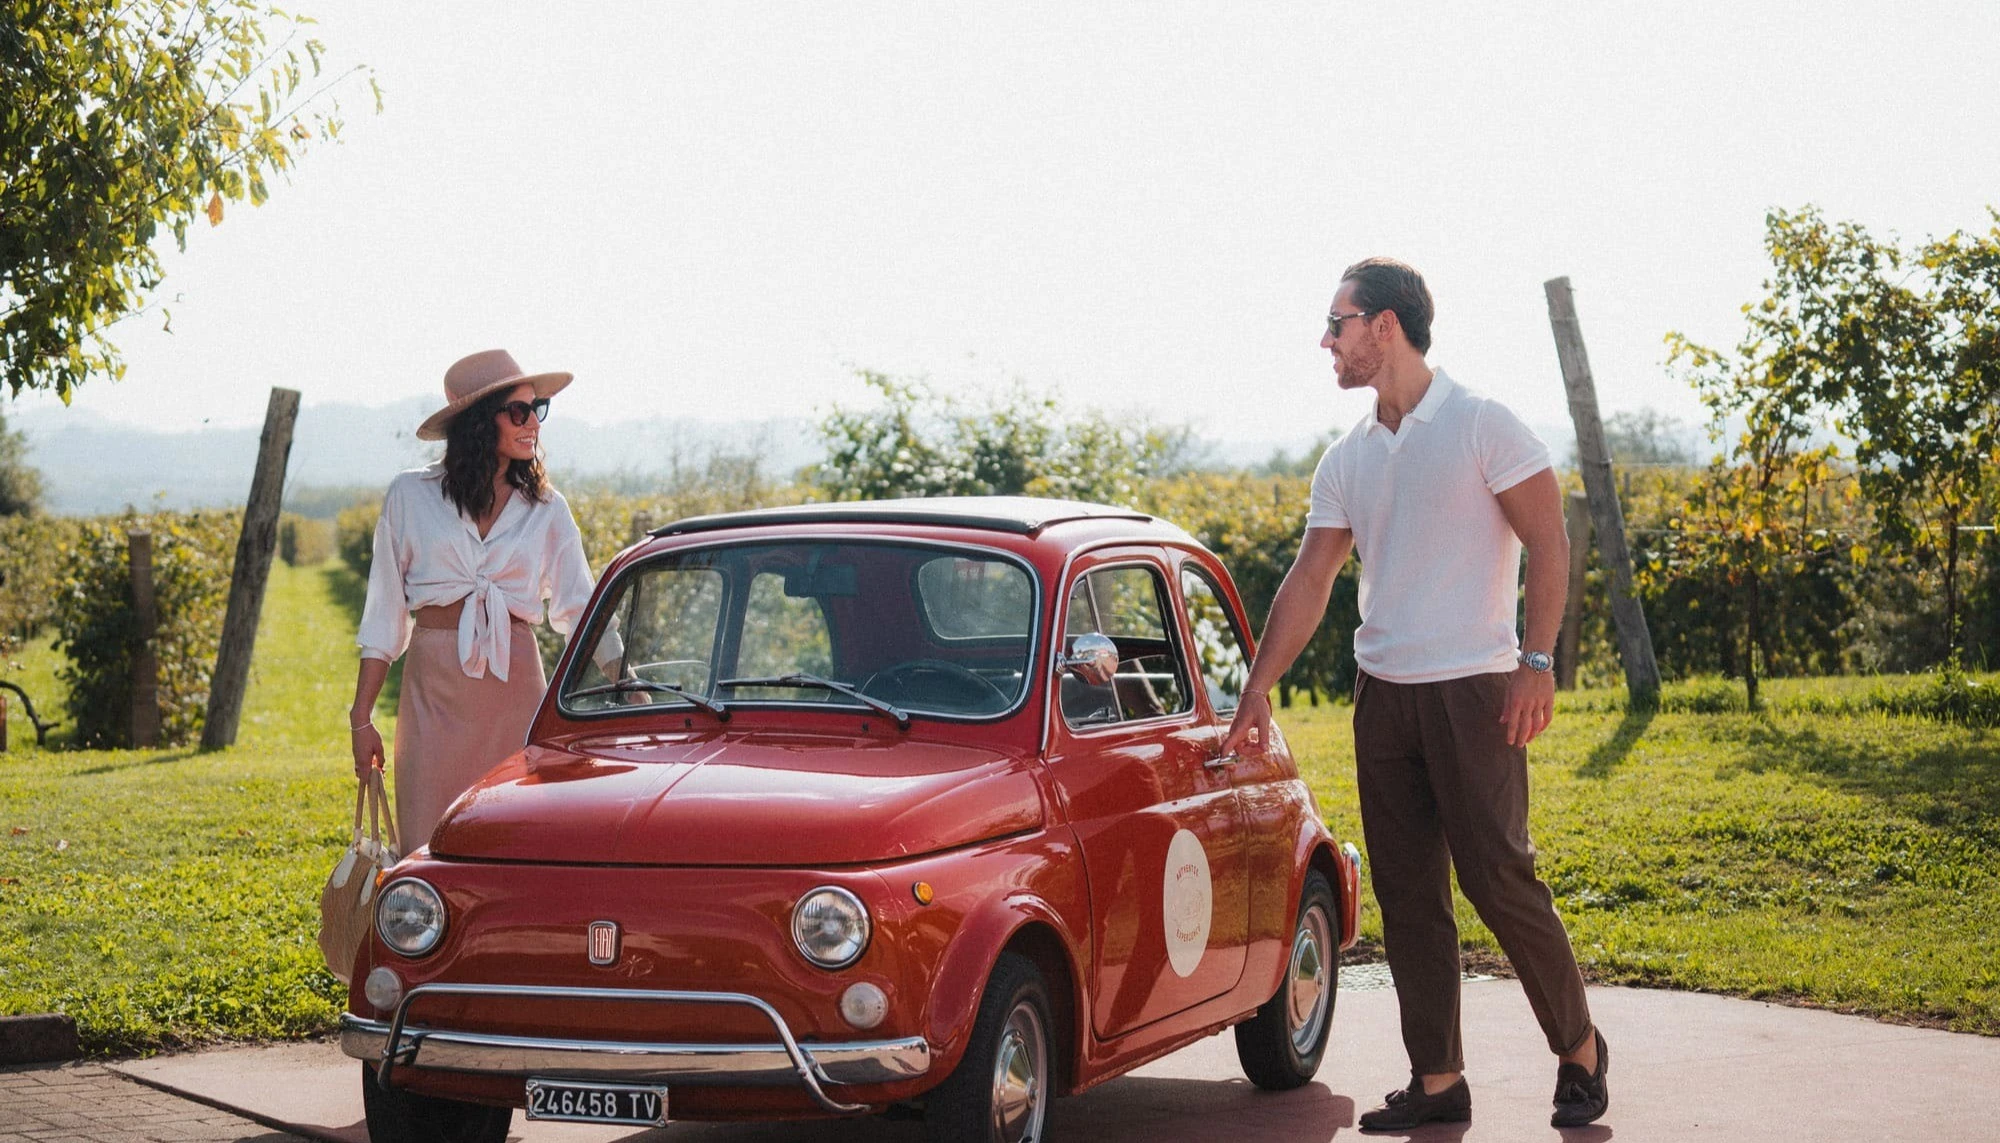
[{"x": 1538, "y": 660}]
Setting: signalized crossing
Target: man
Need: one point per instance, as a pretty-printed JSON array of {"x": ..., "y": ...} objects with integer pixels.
[{"x": 1438, "y": 490}]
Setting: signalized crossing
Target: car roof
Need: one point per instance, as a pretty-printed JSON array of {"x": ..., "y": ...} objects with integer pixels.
[{"x": 1019, "y": 515}]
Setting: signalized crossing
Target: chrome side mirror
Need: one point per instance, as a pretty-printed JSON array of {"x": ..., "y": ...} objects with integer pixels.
[{"x": 1092, "y": 657}]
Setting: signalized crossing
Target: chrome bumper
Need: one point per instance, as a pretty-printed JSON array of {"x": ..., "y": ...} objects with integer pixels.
[{"x": 785, "y": 1062}]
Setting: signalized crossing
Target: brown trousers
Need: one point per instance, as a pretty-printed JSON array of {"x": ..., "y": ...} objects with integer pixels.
[{"x": 1441, "y": 789}]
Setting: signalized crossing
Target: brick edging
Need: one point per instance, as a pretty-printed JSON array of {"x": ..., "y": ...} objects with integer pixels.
[{"x": 39, "y": 1038}]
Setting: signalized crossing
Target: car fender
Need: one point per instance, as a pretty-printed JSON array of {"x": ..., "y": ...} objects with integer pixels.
[
  {"x": 1313, "y": 847},
  {"x": 968, "y": 963},
  {"x": 1316, "y": 848}
]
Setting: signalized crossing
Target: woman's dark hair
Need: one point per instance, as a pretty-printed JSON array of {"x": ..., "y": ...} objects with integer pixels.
[
  {"x": 1386, "y": 284},
  {"x": 472, "y": 452}
]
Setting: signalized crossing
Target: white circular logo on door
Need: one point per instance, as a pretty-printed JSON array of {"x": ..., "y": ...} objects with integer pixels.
[{"x": 1187, "y": 901}]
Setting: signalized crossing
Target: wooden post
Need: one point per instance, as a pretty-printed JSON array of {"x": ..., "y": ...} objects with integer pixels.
[
  {"x": 3, "y": 724},
  {"x": 146, "y": 630},
  {"x": 253, "y": 567},
  {"x": 1635, "y": 643},
  {"x": 642, "y": 523},
  {"x": 1576, "y": 521}
]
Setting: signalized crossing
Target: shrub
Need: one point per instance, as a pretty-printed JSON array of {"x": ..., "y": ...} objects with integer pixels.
[
  {"x": 923, "y": 443},
  {"x": 1255, "y": 525},
  {"x": 1709, "y": 694},
  {"x": 96, "y": 627},
  {"x": 606, "y": 520},
  {"x": 354, "y": 536},
  {"x": 304, "y": 541},
  {"x": 1949, "y": 695},
  {"x": 33, "y": 552}
]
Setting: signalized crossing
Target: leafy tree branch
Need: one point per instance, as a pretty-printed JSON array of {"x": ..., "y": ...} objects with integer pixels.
[{"x": 122, "y": 120}]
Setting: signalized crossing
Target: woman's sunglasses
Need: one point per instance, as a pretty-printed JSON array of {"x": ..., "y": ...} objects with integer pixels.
[{"x": 519, "y": 411}]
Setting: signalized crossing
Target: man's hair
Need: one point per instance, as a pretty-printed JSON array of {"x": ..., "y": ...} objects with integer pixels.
[{"x": 1386, "y": 284}]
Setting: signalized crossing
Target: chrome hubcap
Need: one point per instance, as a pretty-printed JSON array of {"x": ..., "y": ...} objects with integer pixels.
[
  {"x": 1020, "y": 1077},
  {"x": 1308, "y": 980}
]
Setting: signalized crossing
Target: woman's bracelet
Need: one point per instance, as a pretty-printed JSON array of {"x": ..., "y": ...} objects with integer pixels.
[
  {"x": 1265, "y": 695},
  {"x": 366, "y": 724}
]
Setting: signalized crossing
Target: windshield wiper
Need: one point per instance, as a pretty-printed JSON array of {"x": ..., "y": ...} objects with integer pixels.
[
  {"x": 805, "y": 680},
  {"x": 625, "y": 686}
]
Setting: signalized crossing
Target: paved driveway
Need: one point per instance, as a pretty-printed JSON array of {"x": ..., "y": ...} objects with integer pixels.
[{"x": 1684, "y": 1066}]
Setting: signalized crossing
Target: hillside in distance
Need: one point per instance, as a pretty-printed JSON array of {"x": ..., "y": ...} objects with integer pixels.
[{"x": 91, "y": 465}]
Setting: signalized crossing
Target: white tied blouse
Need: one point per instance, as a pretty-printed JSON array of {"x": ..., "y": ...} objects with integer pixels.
[{"x": 427, "y": 555}]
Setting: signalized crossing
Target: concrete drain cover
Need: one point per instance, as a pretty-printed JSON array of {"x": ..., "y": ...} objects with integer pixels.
[{"x": 1370, "y": 977}]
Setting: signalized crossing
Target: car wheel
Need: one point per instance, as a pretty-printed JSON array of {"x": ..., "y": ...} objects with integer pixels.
[
  {"x": 1280, "y": 1047},
  {"x": 1000, "y": 1091},
  {"x": 398, "y": 1116}
]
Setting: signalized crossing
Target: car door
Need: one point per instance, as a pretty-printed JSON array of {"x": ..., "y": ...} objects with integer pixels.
[
  {"x": 1220, "y": 655},
  {"x": 1160, "y": 829}
]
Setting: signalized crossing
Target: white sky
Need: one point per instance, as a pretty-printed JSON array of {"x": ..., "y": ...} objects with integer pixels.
[{"x": 718, "y": 210}]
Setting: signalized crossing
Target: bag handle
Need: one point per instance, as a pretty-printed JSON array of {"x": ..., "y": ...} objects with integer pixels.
[
  {"x": 382, "y": 821},
  {"x": 360, "y": 795}
]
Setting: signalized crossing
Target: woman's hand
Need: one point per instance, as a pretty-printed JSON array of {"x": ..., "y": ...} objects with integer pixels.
[
  {"x": 367, "y": 741},
  {"x": 367, "y": 750}
]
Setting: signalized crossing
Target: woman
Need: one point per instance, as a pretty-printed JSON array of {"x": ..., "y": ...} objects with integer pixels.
[{"x": 466, "y": 551}]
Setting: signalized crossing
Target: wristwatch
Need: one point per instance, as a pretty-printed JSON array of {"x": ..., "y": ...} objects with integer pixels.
[{"x": 1537, "y": 661}]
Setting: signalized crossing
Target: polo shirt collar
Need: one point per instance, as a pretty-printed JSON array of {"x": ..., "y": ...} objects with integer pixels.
[
  {"x": 1440, "y": 391},
  {"x": 1434, "y": 397}
]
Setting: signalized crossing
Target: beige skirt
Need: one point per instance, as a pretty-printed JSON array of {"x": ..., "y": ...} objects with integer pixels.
[{"x": 450, "y": 729}]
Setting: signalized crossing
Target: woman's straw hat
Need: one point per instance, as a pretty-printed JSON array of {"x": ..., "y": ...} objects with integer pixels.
[{"x": 474, "y": 377}]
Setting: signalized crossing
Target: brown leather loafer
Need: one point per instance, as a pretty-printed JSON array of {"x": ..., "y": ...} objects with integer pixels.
[
  {"x": 1582, "y": 1096},
  {"x": 1410, "y": 1107}
]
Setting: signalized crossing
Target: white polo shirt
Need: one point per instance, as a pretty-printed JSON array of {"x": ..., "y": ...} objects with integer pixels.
[{"x": 1440, "y": 568}]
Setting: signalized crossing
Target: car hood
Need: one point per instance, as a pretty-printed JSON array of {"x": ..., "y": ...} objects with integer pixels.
[{"x": 774, "y": 799}]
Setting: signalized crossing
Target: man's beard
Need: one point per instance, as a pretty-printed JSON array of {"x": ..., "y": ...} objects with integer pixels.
[{"x": 1358, "y": 370}]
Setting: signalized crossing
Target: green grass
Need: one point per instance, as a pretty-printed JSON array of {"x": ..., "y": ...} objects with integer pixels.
[
  {"x": 1850, "y": 862},
  {"x": 165, "y": 897},
  {"x": 1819, "y": 852}
]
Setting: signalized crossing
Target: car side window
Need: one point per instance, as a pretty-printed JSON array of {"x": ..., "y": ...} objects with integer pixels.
[
  {"x": 1129, "y": 605},
  {"x": 1218, "y": 647}
]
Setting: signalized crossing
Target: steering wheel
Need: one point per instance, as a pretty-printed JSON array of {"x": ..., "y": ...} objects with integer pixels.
[{"x": 964, "y": 688}]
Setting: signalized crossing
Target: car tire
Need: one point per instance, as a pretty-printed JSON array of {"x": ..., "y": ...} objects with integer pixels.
[
  {"x": 398, "y": 1116},
  {"x": 1281, "y": 1046},
  {"x": 1001, "y": 1089}
]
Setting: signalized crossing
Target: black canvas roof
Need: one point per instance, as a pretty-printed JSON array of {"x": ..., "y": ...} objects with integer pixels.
[{"x": 1022, "y": 515}]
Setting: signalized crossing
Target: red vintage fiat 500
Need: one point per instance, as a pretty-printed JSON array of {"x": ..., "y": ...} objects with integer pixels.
[{"x": 849, "y": 807}]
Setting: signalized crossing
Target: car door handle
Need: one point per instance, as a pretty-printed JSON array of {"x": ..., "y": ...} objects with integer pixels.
[{"x": 1222, "y": 761}]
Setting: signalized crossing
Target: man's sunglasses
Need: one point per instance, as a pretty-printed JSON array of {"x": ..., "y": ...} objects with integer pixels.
[
  {"x": 1333, "y": 322},
  {"x": 519, "y": 411}
]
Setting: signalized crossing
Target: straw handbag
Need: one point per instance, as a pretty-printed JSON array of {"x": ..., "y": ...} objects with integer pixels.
[{"x": 347, "y": 904}]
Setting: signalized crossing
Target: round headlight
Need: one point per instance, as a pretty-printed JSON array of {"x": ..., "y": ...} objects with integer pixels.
[
  {"x": 830, "y": 926},
  {"x": 409, "y": 917}
]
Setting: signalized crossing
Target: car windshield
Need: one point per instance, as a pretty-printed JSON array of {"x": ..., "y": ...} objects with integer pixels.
[{"x": 922, "y": 628}]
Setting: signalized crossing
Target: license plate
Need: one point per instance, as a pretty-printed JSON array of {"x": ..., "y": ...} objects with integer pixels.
[{"x": 578, "y": 1101}]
